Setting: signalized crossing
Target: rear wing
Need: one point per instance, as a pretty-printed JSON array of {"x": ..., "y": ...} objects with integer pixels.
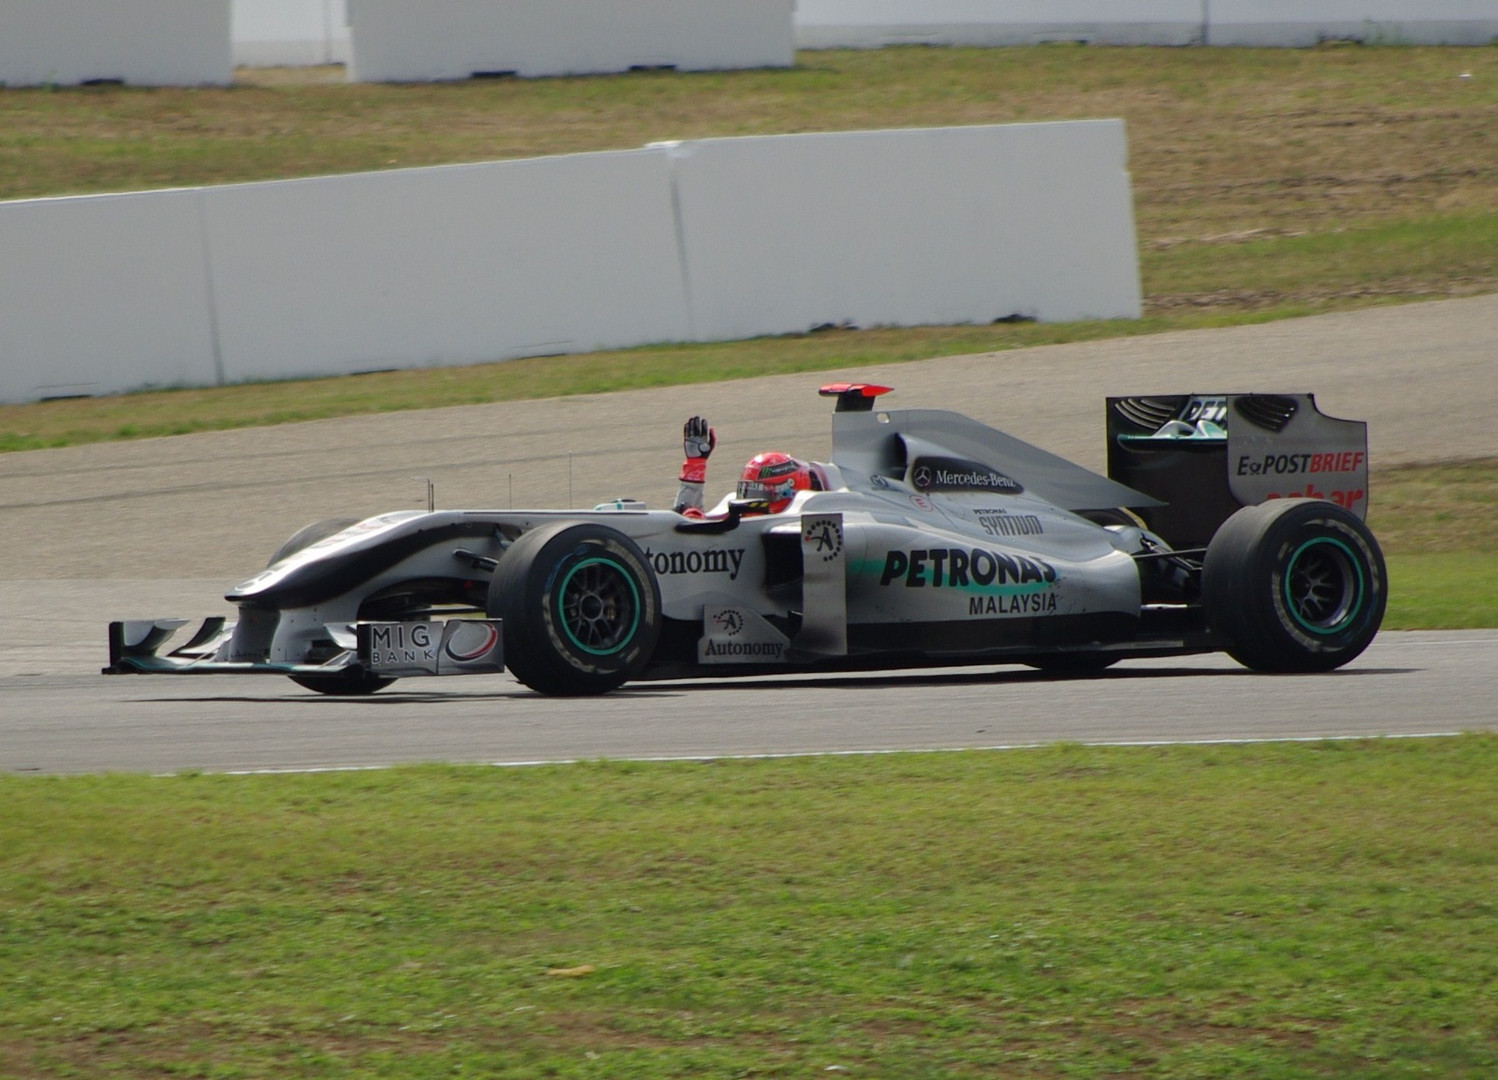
[{"x": 1208, "y": 455}]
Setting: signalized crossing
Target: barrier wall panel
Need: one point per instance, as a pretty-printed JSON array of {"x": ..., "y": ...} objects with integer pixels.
[
  {"x": 103, "y": 293},
  {"x": 418, "y": 40},
  {"x": 1395, "y": 22},
  {"x": 580, "y": 36},
  {"x": 822, "y": 24},
  {"x": 786, "y": 233},
  {"x": 453, "y": 265},
  {"x": 826, "y": 24},
  {"x": 1068, "y": 203},
  {"x": 290, "y": 33},
  {"x": 143, "y": 42}
]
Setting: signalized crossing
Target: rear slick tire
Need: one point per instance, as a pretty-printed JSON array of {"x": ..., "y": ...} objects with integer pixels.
[
  {"x": 1294, "y": 585},
  {"x": 581, "y": 609}
]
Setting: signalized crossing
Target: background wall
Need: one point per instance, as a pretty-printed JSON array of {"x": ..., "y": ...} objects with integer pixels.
[
  {"x": 709, "y": 240},
  {"x": 825, "y": 24},
  {"x": 146, "y": 42},
  {"x": 863, "y": 24},
  {"x": 171, "y": 42},
  {"x": 413, "y": 40},
  {"x": 279, "y": 32},
  {"x": 1394, "y": 22}
]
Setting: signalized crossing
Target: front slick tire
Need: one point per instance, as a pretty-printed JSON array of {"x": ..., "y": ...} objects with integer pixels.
[
  {"x": 581, "y": 609},
  {"x": 1294, "y": 585}
]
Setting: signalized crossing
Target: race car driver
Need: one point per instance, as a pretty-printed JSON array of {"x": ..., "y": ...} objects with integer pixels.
[{"x": 770, "y": 480}]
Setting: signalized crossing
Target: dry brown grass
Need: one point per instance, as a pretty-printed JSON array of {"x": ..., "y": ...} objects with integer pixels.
[{"x": 1224, "y": 142}]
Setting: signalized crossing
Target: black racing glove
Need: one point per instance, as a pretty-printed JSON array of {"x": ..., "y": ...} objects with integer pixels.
[
  {"x": 697, "y": 439},
  {"x": 697, "y": 442}
]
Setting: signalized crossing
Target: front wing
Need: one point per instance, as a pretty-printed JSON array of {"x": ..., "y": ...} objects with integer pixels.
[{"x": 382, "y": 649}]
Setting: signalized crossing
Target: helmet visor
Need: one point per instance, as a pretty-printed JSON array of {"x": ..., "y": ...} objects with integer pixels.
[{"x": 766, "y": 490}]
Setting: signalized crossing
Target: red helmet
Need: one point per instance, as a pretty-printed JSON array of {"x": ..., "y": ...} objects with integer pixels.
[{"x": 775, "y": 478}]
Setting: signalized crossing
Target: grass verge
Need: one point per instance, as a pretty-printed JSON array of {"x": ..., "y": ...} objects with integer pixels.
[
  {"x": 51, "y": 424},
  {"x": 1442, "y": 591},
  {"x": 1277, "y": 911},
  {"x": 1438, "y": 525}
]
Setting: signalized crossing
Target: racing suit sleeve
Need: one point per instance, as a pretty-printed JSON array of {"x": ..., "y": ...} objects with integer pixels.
[{"x": 697, "y": 440}]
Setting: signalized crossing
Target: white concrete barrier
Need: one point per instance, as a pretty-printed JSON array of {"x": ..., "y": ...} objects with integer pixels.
[
  {"x": 103, "y": 293},
  {"x": 708, "y": 240},
  {"x": 143, "y": 42},
  {"x": 290, "y": 33},
  {"x": 418, "y": 40},
  {"x": 1373, "y": 22},
  {"x": 455, "y": 265},
  {"x": 866, "y": 24},
  {"x": 958, "y": 225},
  {"x": 828, "y": 24}
]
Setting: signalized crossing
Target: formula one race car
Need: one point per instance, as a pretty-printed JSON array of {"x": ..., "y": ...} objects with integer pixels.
[{"x": 1229, "y": 522}]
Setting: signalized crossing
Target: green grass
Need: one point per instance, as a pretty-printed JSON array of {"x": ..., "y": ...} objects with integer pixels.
[
  {"x": 1274, "y": 911},
  {"x": 1438, "y": 525},
  {"x": 1438, "y": 508},
  {"x": 1422, "y": 256},
  {"x": 1442, "y": 591}
]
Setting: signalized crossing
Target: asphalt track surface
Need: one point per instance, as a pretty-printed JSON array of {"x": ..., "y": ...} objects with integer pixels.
[
  {"x": 162, "y": 527},
  {"x": 1406, "y": 684}
]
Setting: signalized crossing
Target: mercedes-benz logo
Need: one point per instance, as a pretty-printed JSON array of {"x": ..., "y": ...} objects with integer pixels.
[{"x": 921, "y": 478}]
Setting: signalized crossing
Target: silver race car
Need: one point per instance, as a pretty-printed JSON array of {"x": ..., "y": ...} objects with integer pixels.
[{"x": 1228, "y": 522}]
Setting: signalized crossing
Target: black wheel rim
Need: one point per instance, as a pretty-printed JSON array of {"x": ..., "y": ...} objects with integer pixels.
[
  {"x": 1324, "y": 586},
  {"x": 599, "y": 604}
]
